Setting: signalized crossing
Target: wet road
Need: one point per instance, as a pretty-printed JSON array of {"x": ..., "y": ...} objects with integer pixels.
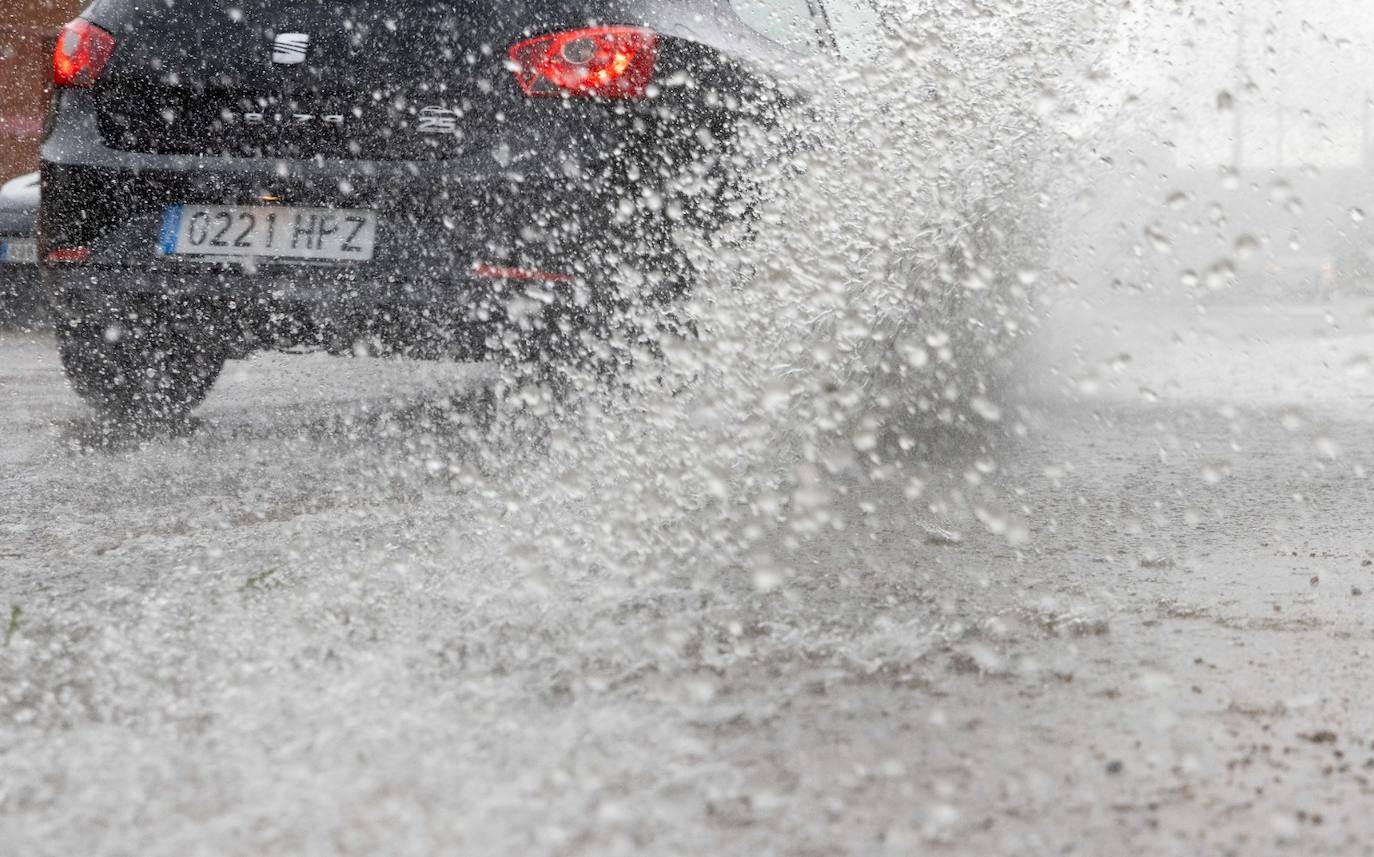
[{"x": 300, "y": 628}]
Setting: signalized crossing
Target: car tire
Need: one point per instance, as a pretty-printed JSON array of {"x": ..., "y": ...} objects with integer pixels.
[{"x": 138, "y": 360}]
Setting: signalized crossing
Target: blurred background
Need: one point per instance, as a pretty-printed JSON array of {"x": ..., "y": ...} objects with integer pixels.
[
  {"x": 27, "y": 28},
  {"x": 1232, "y": 147}
]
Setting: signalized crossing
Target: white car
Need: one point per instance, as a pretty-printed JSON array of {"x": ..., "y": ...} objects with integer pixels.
[{"x": 20, "y": 292}]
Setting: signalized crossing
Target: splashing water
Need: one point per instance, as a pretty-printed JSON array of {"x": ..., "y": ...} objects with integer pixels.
[
  {"x": 440, "y": 670},
  {"x": 872, "y": 312}
]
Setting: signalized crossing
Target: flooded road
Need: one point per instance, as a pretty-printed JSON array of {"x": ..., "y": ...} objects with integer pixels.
[{"x": 297, "y": 628}]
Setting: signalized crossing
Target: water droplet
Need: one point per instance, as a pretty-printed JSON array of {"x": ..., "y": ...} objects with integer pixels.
[
  {"x": 1158, "y": 239},
  {"x": 766, "y": 579},
  {"x": 1214, "y": 471},
  {"x": 1221, "y": 275},
  {"x": 986, "y": 409}
]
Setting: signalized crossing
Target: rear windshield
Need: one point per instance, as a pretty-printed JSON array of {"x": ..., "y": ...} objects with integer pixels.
[{"x": 855, "y": 28}]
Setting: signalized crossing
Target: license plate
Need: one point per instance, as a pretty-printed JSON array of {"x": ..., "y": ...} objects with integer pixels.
[
  {"x": 278, "y": 232},
  {"x": 21, "y": 251}
]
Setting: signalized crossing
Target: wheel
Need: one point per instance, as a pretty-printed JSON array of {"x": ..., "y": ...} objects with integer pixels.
[{"x": 138, "y": 360}]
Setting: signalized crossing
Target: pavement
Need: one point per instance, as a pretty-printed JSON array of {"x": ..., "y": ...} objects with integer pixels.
[{"x": 320, "y": 622}]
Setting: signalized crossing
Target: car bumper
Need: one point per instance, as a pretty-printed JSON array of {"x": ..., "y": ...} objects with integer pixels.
[
  {"x": 466, "y": 316},
  {"x": 524, "y": 209},
  {"x": 318, "y": 286}
]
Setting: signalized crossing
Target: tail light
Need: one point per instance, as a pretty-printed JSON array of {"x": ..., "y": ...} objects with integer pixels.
[
  {"x": 602, "y": 62},
  {"x": 83, "y": 49}
]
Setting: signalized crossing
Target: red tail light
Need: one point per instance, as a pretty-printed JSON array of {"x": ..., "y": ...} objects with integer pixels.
[
  {"x": 603, "y": 62},
  {"x": 82, "y": 51}
]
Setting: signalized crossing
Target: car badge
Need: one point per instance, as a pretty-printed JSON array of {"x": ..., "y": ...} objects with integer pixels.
[{"x": 289, "y": 48}]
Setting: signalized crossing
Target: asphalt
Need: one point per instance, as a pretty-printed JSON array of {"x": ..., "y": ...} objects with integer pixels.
[{"x": 319, "y": 621}]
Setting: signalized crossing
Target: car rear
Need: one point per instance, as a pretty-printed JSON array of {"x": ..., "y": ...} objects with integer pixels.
[
  {"x": 408, "y": 172},
  {"x": 449, "y": 139}
]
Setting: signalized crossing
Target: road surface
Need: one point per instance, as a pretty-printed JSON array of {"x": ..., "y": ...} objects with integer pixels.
[{"x": 312, "y": 625}]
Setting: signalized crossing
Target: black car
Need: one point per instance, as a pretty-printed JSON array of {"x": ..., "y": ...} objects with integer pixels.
[
  {"x": 458, "y": 178},
  {"x": 20, "y": 297}
]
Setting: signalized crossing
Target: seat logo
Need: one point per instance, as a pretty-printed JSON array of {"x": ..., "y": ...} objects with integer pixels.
[{"x": 290, "y": 48}]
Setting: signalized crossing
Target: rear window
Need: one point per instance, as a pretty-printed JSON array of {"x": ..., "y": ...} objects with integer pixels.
[
  {"x": 854, "y": 28},
  {"x": 857, "y": 27},
  {"x": 791, "y": 23}
]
